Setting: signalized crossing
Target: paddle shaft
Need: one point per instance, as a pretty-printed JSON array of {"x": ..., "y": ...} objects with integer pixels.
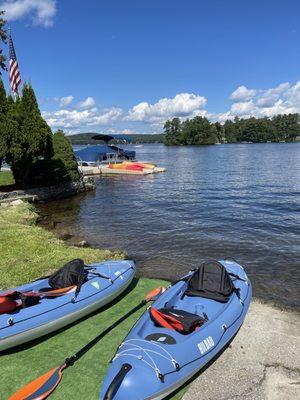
[
  {"x": 75, "y": 357},
  {"x": 41, "y": 387}
]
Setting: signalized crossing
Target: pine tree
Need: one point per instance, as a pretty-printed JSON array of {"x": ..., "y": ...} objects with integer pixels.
[
  {"x": 8, "y": 126},
  {"x": 3, "y": 138},
  {"x": 3, "y": 38},
  {"x": 33, "y": 139},
  {"x": 65, "y": 157},
  {"x": 172, "y": 132}
]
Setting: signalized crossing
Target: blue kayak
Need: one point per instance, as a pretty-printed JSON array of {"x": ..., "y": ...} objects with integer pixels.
[
  {"x": 161, "y": 352},
  {"x": 52, "y": 313}
]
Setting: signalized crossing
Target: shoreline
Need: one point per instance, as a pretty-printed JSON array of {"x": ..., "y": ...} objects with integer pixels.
[
  {"x": 47, "y": 193},
  {"x": 70, "y": 239}
]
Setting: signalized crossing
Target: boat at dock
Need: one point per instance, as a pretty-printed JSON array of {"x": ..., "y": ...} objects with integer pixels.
[{"x": 111, "y": 159}]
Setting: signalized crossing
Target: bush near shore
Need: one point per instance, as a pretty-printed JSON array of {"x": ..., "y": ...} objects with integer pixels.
[{"x": 35, "y": 156}]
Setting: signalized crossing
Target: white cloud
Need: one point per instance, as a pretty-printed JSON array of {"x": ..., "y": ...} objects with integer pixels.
[
  {"x": 71, "y": 120},
  {"x": 242, "y": 94},
  {"x": 182, "y": 105},
  {"x": 64, "y": 101},
  {"x": 269, "y": 97},
  {"x": 42, "y": 11},
  {"x": 87, "y": 103},
  {"x": 242, "y": 108},
  {"x": 292, "y": 94},
  {"x": 282, "y": 99},
  {"x": 268, "y": 100},
  {"x": 108, "y": 115},
  {"x": 281, "y": 88}
]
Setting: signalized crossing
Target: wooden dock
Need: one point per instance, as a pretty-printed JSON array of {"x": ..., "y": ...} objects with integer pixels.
[{"x": 105, "y": 170}]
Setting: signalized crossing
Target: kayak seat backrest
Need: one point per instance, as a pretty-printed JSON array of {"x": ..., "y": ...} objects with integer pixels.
[
  {"x": 175, "y": 319},
  {"x": 71, "y": 274},
  {"x": 212, "y": 281}
]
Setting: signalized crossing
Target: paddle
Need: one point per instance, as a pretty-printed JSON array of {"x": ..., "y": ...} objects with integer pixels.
[{"x": 43, "y": 386}]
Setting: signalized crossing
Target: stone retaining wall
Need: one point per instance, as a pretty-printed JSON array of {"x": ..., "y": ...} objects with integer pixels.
[{"x": 45, "y": 194}]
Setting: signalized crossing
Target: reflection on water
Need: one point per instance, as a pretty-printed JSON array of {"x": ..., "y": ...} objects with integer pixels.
[{"x": 215, "y": 201}]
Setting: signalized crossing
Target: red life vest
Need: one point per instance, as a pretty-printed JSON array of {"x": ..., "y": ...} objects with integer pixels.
[
  {"x": 8, "y": 305},
  {"x": 177, "y": 320}
]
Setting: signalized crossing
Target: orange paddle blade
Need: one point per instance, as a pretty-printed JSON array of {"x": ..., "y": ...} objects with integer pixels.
[
  {"x": 155, "y": 293},
  {"x": 41, "y": 387}
]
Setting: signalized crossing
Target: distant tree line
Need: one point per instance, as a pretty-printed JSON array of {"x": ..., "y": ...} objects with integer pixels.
[
  {"x": 282, "y": 127},
  {"x": 86, "y": 138},
  {"x": 35, "y": 156},
  {"x": 200, "y": 131}
]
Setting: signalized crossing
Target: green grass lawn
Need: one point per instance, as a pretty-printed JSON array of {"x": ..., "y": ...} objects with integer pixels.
[
  {"x": 83, "y": 380},
  {"x": 28, "y": 251},
  {"x": 6, "y": 178}
]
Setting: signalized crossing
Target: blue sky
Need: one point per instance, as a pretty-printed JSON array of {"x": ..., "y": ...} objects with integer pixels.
[{"x": 127, "y": 66}]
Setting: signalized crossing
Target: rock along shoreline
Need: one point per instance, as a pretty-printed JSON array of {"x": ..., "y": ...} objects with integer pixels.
[{"x": 49, "y": 193}]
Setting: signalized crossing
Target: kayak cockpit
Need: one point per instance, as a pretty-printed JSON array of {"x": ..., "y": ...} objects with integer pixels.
[{"x": 205, "y": 308}]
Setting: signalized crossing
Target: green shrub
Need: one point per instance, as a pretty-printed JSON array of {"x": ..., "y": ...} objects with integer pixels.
[
  {"x": 31, "y": 139},
  {"x": 5, "y": 124},
  {"x": 62, "y": 167},
  {"x": 64, "y": 157}
]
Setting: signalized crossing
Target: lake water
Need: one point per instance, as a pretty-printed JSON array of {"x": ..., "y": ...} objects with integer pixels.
[{"x": 238, "y": 200}]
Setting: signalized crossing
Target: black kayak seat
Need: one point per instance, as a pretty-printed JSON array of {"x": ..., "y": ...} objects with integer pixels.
[
  {"x": 72, "y": 273},
  {"x": 212, "y": 281}
]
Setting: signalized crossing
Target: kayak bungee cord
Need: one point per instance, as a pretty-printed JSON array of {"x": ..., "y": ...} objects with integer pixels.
[
  {"x": 43, "y": 386},
  {"x": 147, "y": 351},
  {"x": 170, "y": 357}
]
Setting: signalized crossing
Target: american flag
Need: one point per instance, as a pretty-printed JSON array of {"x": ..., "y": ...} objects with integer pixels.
[{"x": 14, "y": 72}]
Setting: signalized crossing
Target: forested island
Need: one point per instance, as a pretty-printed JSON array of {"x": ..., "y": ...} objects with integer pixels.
[{"x": 200, "y": 131}]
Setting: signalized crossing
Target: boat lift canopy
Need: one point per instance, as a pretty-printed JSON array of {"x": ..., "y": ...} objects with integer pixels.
[
  {"x": 103, "y": 152},
  {"x": 108, "y": 138}
]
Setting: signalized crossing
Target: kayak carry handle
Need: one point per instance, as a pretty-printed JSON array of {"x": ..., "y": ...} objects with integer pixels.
[{"x": 117, "y": 381}]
